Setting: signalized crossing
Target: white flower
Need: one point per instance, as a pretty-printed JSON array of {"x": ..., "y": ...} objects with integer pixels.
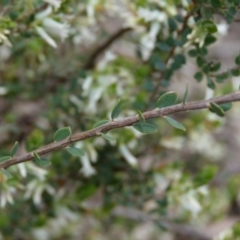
[
  {"x": 3, "y": 91},
  {"x": 87, "y": 170},
  {"x": 42, "y": 33},
  {"x": 55, "y": 28},
  {"x": 44, "y": 13},
  {"x": 127, "y": 155},
  {"x": 54, "y": 3}
]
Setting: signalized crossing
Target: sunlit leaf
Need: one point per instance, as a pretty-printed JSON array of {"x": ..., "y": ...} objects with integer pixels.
[
  {"x": 175, "y": 124},
  {"x": 62, "y": 133},
  {"x": 75, "y": 151},
  {"x": 145, "y": 127},
  {"x": 167, "y": 99}
]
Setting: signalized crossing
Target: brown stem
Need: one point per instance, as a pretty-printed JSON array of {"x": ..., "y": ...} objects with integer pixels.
[
  {"x": 91, "y": 61},
  {"x": 129, "y": 121}
]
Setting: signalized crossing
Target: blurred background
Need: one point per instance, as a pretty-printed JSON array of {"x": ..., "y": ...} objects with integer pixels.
[{"x": 66, "y": 63}]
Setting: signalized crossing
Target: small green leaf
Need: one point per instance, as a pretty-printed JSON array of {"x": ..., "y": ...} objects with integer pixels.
[
  {"x": 215, "y": 67},
  {"x": 70, "y": 131},
  {"x": 62, "y": 133},
  {"x": 200, "y": 61},
  {"x": 192, "y": 53},
  {"x": 209, "y": 26},
  {"x": 237, "y": 59},
  {"x": 6, "y": 173},
  {"x": 141, "y": 117},
  {"x": 235, "y": 72},
  {"x": 145, "y": 127},
  {"x": 205, "y": 175},
  {"x": 44, "y": 162},
  {"x": 175, "y": 124},
  {"x": 167, "y": 99},
  {"x": 14, "y": 149},
  {"x": 100, "y": 123},
  {"x": 116, "y": 110},
  {"x": 216, "y": 109},
  {"x": 216, "y": 3},
  {"x": 210, "y": 83},
  {"x": 2, "y": 159},
  {"x": 226, "y": 106},
  {"x": 75, "y": 151},
  {"x": 198, "y": 76},
  {"x": 185, "y": 96},
  {"x": 36, "y": 157},
  {"x": 107, "y": 137},
  {"x": 209, "y": 40}
]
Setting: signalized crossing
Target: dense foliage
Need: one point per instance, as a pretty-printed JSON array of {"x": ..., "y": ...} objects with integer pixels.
[{"x": 65, "y": 66}]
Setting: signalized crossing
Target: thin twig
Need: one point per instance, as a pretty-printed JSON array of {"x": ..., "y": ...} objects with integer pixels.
[
  {"x": 129, "y": 121},
  {"x": 91, "y": 61},
  {"x": 171, "y": 53}
]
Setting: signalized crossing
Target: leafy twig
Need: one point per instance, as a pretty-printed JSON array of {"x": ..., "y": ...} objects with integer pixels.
[{"x": 129, "y": 121}]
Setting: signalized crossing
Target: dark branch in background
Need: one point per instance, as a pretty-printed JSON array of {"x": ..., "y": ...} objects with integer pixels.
[
  {"x": 100, "y": 49},
  {"x": 129, "y": 121},
  {"x": 171, "y": 53}
]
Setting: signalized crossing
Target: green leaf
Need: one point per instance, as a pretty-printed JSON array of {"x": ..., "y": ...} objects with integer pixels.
[
  {"x": 141, "y": 117},
  {"x": 221, "y": 77},
  {"x": 40, "y": 161},
  {"x": 145, "y": 127},
  {"x": 34, "y": 140},
  {"x": 209, "y": 40},
  {"x": 75, "y": 151},
  {"x": 62, "y": 133},
  {"x": 216, "y": 109},
  {"x": 237, "y": 59},
  {"x": 226, "y": 106},
  {"x": 200, "y": 61},
  {"x": 100, "y": 123},
  {"x": 172, "y": 24},
  {"x": 14, "y": 149},
  {"x": 215, "y": 67},
  {"x": 185, "y": 96},
  {"x": 6, "y": 173},
  {"x": 205, "y": 175},
  {"x": 163, "y": 47},
  {"x": 216, "y": 3},
  {"x": 210, "y": 83},
  {"x": 209, "y": 26},
  {"x": 175, "y": 124},
  {"x": 116, "y": 110},
  {"x": 2, "y": 159},
  {"x": 43, "y": 162},
  {"x": 167, "y": 99},
  {"x": 235, "y": 72},
  {"x": 192, "y": 53},
  {"x": 36, "y": 157},
  {"x": 198, "y": 76},
  {"x": 107, "y": 137}
]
